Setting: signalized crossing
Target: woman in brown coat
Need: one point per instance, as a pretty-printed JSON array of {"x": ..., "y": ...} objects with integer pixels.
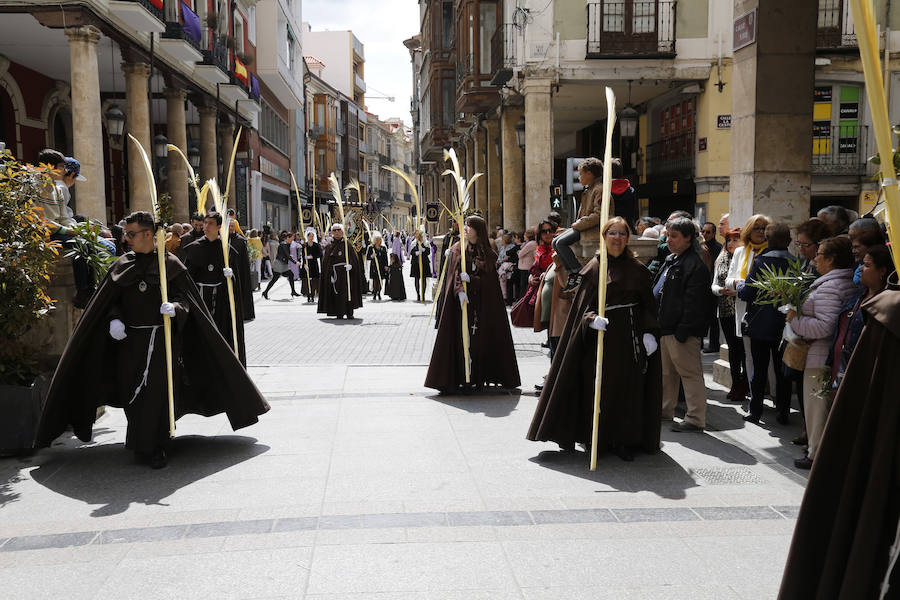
[
  {"x": 631, "y": 394},
  {"x": 492, "y": 357}
]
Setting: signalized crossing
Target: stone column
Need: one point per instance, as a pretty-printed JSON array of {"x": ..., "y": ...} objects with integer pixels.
[
  {"x": 176, "y": 131},
  {"x": 208, "y": 147},
  {"x": 470, "y": 162},
  {"x": 480, "y": 187},
  {"x": 771, "y": 124},
  {"x": 513, "y": 175},
  {"x": 87, "y": 128},
  {"x": 494, "y": 176},
  {"x": 226, "y": 142},
  {"x": 137, "y": 123},
  {"x": 538, "y": 147}
]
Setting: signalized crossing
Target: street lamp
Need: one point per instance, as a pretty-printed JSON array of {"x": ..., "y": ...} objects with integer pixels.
[
  {"x": 115, "y": 121},
  {"x": 628, "y": 120},
  {"x": 194, "y": 157},
  {"x": 160, "y": 146},
  {"x": 520, "y": 132}
]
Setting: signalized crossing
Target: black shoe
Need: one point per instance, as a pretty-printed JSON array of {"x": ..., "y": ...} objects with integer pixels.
[
  {"x": 545, "y": 344},
  {"x": 804, "y": 462},
  {"x": 751, "y": 419},
  {"x": 158, "y": 459},
  {"x": 295, "y": 294},
  {"x": 573, "y": 282},
  {"x": 782, "y": 419},
  {"x": 623, "y": 452},
  {"x": 266, "y": 295}
]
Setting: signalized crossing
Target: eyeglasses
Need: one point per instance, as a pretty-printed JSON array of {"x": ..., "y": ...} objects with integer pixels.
[
  {"x": 133, "y": 234},
  {"x": 759, "y": 228},
  {"x": 805, "y": 244},
  {"x": 617, "y": 233}
]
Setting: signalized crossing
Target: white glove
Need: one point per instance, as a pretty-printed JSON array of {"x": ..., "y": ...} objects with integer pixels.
[
  {"x": 599, "y": 323},
  {"x": 167, "y": 308},
  {"x": 447, "y": 252},
  {"x": 227, "y": 272},
  {"x": 465, "y": 277},
  {"x": 348, "y": 266},
  {"x": 463, "y": 299},
  {"x": 117, "y": 330},
  {"x": 650, "y": 344}
]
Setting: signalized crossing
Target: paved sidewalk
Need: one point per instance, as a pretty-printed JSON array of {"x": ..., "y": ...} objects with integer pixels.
[{"x": 362, "y": 484}]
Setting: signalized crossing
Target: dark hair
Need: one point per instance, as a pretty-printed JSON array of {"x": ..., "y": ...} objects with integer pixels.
[
  {"x": 553, "y": 227},
  {"x": 709, "y": 223},
  {"x": 592, "y": 165},
  {"x": 814, "y": 229},
  {"x": 49, "y": 156},
  {"x": 838, "y": 249},
  {"x": 142, "y": 218},
  {"x": 555, "y": 217},
  {"x": 480, "y": 226},
  {"x": 196, "y": 217},
  {"x": 284, "y": 235},
  {"x": 881, "y": 256},
  {"x": 684, "y": 226},
  {"x": 870, "y": 237},
  {"x": 214, "y": 215},
  {"x": 617, "y": 171},
  {"x": 778, "y": 235}
]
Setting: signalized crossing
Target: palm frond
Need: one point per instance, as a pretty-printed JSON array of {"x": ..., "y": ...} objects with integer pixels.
[
  {"x": 336, "y": 193},
  {"x": 148, "y": 169}
]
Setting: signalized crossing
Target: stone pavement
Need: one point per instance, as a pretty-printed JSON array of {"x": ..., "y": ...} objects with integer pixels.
[{"x": 362, "y": 484}]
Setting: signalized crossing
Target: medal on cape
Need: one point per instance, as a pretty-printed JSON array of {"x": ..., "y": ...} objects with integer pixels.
[
  {"x": 142, "y": 286},
  {"x": 209, "y": 268}
]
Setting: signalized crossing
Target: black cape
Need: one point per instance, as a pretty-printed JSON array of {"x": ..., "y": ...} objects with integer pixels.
[
  {"x": 96, "y": 370},
  {"x": 204, "y": 262},
  {"x": 849, "y": 514},
  {"x": 333, "y": 299},
  {"x": 377, "y": 273},
  {"x": 242, "y": 272},
  {"x": 414, "y": 261},
  {"x": 491, "y": 351},
  {"x": 631, "y": 394},
  {"x": 396, "y": 287},
  {"x": 188, "y": 238}
]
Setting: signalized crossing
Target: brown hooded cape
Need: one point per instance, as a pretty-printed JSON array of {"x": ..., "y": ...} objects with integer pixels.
[{"x": 848, "y": 518}]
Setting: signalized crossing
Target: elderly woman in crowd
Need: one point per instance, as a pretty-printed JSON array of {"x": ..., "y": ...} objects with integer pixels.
[
  {"x": 765, "y": 325},
  {"x": 726, "y": 297},
  {"x": 809, "y": 235},
  {"x": 631, "y": 389},
  {"x": 816, "y": 322}
]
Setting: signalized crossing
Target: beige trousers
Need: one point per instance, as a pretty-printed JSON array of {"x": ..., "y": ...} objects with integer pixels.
[
  {"x": 681, "y": 361},
  {"x": 815, "y": 409}
]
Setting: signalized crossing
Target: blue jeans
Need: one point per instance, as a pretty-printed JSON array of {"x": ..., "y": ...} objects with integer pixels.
[{"x": 561, "y": 245}]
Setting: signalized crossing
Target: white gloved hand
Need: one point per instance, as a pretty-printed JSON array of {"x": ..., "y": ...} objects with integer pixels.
[
  {"x": 117, "y": 330},
  {"x": 599, "y": 323},
  {"x": 167, "y": 308},
  {"x": 650, "y": 344},
  {"x": 463, "y": 298},
  {"x": 348, "y": 267},
  {"x": 447, "y": 252},
  {"x": 227, "y": 272},
  {"x": 465, "y": 277}
]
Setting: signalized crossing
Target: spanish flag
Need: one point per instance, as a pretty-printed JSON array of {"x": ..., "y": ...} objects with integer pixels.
[{"x": 240, "y": 70}]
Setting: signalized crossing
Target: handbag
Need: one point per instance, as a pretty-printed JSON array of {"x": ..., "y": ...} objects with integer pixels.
[{"x": 795, "y": 352}]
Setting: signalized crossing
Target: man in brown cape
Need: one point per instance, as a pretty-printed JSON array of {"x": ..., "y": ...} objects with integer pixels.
[
  {"x": 117, "y": 357},
  {"x": 333, "y": 298},
  {"x": 848, "y": 519}
]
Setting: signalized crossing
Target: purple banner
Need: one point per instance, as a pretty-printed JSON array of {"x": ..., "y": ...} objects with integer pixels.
[{"x": 191, "y": 22}]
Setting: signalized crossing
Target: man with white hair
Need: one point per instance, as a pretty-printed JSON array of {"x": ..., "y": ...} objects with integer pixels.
[{"x": 340, "y": 264}]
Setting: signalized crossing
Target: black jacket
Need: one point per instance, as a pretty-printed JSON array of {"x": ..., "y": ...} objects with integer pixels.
[
  {"x": 764, "y": 322},
  {"x": 686, "y": 296}
]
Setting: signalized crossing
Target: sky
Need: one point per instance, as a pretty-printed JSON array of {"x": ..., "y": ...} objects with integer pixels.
[{"x": 381, "y": 25}]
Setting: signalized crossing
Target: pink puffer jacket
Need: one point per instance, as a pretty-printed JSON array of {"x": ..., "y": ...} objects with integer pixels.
[{"x": 820, "y": 313}]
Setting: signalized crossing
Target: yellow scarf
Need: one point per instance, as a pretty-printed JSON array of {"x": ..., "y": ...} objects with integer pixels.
[{"x": 745, "y": 263}]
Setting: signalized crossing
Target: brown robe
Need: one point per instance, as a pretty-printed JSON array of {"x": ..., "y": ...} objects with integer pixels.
[
  {"x": 491, "y": 351},
  {"x": 333, "y": 299},
  {"x": 849, "y": 514},
  {"x": 631, "y": 395}
]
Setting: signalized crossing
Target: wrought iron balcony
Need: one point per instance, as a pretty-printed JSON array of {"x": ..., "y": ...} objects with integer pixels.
[
  {"x": 839, "y": 150},
  {"x": 631, "y": 28},
  {"x": 384, "y": 159},
  {"x": 217, "y": 57},
  {"x": 835, "y": 26},
  {"x": 672, "y": 157},
  {"x": 503, "y": 53},
  {"x": 464, "y": 68}
]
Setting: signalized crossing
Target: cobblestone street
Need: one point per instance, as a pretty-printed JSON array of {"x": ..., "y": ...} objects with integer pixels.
[{"x": 362, "y": 484}]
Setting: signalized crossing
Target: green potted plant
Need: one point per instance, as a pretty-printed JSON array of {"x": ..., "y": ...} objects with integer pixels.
[{"x": 26, "y": 262}]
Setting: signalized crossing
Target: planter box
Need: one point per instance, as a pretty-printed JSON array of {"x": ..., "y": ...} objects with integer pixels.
[{"x": 20, "y": 411}]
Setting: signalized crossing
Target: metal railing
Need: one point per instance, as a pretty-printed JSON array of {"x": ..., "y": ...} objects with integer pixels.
[
  {"x": 218, "y": 56},
  {"x": 384, "y": 195},
  {"x": 464, "y": 68},
  {"x": 159, "y": 13},
  {"x": 675, "y": 156},
  {"x": 630, "y": 28},
  {"x": 840, "y": 150},
  {"x": 384, "y": 159},
  {"x": 835, "y": 28},
  {"x": 341, "y": 127},
  {"x": 503, "y": 53}
]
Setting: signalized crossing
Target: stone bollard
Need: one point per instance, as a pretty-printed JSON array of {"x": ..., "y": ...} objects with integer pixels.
[{"x": 50, "y": 335}]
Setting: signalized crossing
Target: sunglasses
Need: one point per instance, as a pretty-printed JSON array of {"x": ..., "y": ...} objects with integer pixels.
[{"x": 543, "y": 231}]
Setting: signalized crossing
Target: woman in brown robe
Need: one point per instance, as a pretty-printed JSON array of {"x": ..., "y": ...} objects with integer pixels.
[
  {"x": 492, "y": 357},
  {"x": 631, "y": 394}
]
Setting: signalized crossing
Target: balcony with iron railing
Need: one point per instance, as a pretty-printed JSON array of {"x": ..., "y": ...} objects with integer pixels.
[
  {"x": 503, "y": 53},
  {"x": 341, "y": 127},
  {"x": 672, "y": 157},
  {"x": 835, "y": 29},
  {"x": 840, "y": 150},
  {"x": 217, "y": 57},
  {"x": 384, "y": 159},
  {"x": 631, "y": 28},
  {"x": 384, "y": 196}
]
